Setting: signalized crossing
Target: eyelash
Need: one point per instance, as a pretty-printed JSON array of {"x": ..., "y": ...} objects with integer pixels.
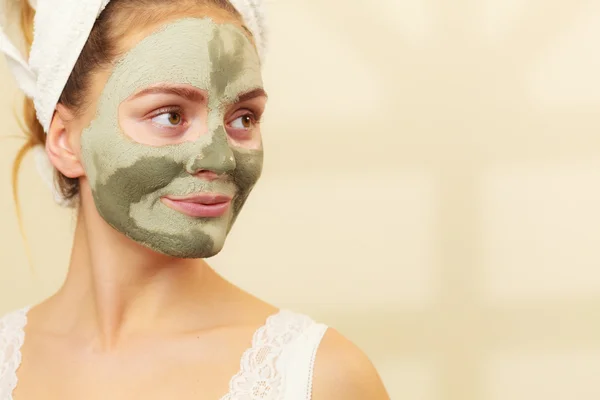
[
  {"x": 256, "y": 119},
  {"x": 168, "y": 110}
]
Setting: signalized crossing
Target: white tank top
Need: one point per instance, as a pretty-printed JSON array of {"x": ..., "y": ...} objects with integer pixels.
[{"x": 287, "y": 345}]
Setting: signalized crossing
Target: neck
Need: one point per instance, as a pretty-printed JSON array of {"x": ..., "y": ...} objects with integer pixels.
[{"x": 117, "y": 288}]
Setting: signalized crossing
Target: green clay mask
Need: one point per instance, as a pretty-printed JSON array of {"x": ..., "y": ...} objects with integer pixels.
[{"x": 128, "y": 178}]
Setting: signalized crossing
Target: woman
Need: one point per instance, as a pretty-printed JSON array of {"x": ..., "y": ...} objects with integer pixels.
[{"x": 150, "y": 112}]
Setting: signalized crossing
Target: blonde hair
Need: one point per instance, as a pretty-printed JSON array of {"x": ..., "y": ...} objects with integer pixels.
[{"x": 33, "y": 129}]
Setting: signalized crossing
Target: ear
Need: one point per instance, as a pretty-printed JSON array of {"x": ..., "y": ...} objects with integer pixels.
[{"x": 62, "y": 144}]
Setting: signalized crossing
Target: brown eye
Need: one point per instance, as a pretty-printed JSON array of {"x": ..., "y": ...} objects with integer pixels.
[
  {"x": 168, "y": 119},
  {"x": 174, "y": 118},
  {"x": 243, "y": 122}
]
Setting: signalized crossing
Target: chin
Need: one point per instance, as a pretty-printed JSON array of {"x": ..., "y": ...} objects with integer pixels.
[
  {"x": 187, "y": 253},
  {"x": 182, "y": 247}
]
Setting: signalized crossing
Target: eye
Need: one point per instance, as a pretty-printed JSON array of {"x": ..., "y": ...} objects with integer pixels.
[
  {"x": 243, "y": 122},
  {"x": 168, "y": 119}
]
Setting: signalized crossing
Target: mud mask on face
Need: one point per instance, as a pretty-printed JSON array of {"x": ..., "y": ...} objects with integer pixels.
[{"x": 128, "y": 179}]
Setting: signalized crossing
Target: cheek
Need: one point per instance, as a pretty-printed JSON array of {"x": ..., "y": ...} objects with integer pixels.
[
  {"x": 249, "y": 141},
  {"x": 249, "y": 164},
  {"x": 144, "y": 176},
  {"x": 124, "y": 171},
  {"x": 128, "y": 185}
]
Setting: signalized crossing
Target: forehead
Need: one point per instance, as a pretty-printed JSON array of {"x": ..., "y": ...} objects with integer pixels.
[{"x": 218, "y": 58}]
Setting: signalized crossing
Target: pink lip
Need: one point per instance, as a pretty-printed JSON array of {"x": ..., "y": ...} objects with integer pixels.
[{"x": 200, "y": 205}]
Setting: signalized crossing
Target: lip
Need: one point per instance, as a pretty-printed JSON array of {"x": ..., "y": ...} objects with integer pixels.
[{"x": 200, "y": 205}]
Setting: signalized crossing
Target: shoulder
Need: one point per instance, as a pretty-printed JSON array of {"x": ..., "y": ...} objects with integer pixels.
[{"x": 343, "y": 371}]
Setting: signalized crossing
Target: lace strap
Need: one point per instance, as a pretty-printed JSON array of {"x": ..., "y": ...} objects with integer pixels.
[
  {"x": 299, "y": 359},
  {"x": 261, "y": 374},
  {"x": 12, "y": 335}
]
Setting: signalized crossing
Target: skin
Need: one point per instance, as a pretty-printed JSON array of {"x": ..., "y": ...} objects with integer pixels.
[{"x": 133, "y": 323}]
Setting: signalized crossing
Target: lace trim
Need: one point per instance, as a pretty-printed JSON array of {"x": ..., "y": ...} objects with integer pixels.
[
  {"x": 259, "y": 377},
  {"x": 12, "y": 336}
]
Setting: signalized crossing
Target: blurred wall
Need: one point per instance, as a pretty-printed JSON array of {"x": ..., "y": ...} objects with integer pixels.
[{"x": 431, "y": 189}]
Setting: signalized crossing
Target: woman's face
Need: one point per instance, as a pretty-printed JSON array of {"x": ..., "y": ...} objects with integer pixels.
[{"x": 174, "y": 147}]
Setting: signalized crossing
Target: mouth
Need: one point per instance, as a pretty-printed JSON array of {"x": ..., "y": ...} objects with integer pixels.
[{"x": 200, "y": 205}]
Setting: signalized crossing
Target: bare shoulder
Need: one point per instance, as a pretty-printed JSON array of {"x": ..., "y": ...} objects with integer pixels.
[{"x": 343, "y": 371}]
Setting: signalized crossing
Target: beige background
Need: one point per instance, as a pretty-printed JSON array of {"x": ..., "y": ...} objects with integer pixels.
[{"x": 432, "y": 189}]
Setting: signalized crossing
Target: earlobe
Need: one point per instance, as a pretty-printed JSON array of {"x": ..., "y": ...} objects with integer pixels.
[{"x": 60, "y": 144}]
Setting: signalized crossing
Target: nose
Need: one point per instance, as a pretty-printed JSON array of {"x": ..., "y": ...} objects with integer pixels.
[
  {"x": 207, "y": 175},
  {"x": 215, "y": 159}
]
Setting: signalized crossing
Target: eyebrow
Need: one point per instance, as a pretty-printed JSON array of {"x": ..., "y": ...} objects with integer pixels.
[
  {"x": 191, "y": 94},
  {"x": 194, "y": 94},
  {"x": 259, "y": 92}
]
